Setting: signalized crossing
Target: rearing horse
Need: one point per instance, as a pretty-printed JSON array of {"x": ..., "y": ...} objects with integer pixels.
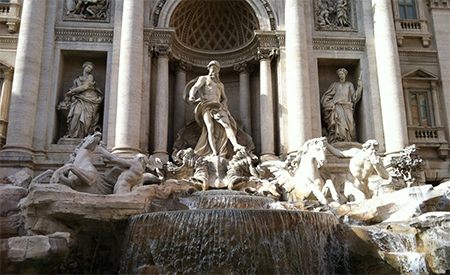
[
  {"x": 307, "y": 177},
  {"x": 300, "y": 177},
  {"x": 79, "y": 173}
]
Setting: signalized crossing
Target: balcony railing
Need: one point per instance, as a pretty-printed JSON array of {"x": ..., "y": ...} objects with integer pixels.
[
  {"x": 426, "y": 135},
  {"x": 10, "y": 13},
  {"x": 412, "y": 28}
]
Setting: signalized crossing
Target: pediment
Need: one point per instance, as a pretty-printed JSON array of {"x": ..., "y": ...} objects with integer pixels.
[
  {"x": 4, "y": 66},
  {"x": 420, "y": 74}
]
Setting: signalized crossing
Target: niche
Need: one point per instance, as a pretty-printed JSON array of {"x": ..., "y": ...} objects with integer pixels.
[
  {"x": 71, "y": 67},
  {"x": 327, "y": 75}
]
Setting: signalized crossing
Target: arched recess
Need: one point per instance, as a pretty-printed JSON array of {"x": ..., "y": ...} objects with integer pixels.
[{"x": 163, "y": 11}]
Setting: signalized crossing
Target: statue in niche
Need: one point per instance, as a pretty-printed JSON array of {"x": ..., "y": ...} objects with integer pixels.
[
  {"x": 94, "y": 9},
  {"x": 207, "y": 93},
  {"x": 338, "y": 104},
  {"x": 363, "y": 162},
  {"x": 81, "y": 104}
]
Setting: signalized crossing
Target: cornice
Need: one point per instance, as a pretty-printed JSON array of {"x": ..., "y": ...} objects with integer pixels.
[{"x": 84, "y": 35}]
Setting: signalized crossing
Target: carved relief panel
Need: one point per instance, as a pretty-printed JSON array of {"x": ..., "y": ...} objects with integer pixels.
[
  {"x": 335, "y": 15},
  {"x": 87, "y": 10}
]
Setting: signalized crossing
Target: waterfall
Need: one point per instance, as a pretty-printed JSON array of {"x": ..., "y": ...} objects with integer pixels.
[
  {"x": 234, "y": 241},
  {"x": 399, "y": 249}
]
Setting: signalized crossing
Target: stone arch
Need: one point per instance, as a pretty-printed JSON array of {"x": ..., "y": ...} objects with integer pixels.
[{"x": 164, "y": 9}]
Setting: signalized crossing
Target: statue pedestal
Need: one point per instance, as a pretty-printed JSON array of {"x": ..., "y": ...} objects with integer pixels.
[{"x": 69, "y": 141}]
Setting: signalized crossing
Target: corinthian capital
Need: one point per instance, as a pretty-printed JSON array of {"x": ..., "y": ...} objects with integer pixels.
[
  {"x": 266, "y": 53},
  {"x": 244, "y": 67},
  {"x": 161, "y": 50}
]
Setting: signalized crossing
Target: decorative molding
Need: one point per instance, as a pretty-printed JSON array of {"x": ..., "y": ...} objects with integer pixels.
[
  {"x": 339, "y": 44},
  {"x": 157, "y": 12},
  {"x": 335, "y": 15},
  {"x": 9, "y": 40},
  {"x": 418, "y": 56},
  {"x": 439, "y": 4},
  {"x": 87, "y": 12},
  {"x": 84, "y": 35}
]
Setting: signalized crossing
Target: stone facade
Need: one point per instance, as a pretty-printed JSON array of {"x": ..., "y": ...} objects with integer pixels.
[{"x": 277, "y": 58}]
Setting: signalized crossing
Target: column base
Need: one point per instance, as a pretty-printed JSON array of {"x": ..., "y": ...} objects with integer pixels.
[
  {"x": 126, "y": 152},
  {"x": 15, "y": 160}
]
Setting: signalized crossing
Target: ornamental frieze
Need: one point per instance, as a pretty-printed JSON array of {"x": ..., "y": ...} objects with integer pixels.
[
  {"x": 84, "y": 35},
  {"x": 339, "y": 44}
]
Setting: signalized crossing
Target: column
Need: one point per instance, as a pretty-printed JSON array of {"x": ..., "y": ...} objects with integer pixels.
[
  {"x": 389, "y": 77},
  {"x": 25, "y": 87},
  {"x": 161, "y": 132},
  {"x": 179, "y": 112},
  {"x": 297, "y": 76},
  {"x": 440, "y": 12},
  {"x": 5, "y": 98},
  {"x": 244, "y": 95},
  {"x": 266, "y": 104},
  {"x": 129, "y": 95}
]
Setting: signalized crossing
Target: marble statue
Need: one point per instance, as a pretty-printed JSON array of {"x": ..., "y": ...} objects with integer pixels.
[
  {"x": 363, "y": 162},
  {"x": 338, "y": 104},
  {"x": 207, "y": 93},
  {"x": 82, "y": 103},
  {"x": 300, "y": 176},
  {"x": 133, "y": 173},
  {"x": 80, "y": 173}
]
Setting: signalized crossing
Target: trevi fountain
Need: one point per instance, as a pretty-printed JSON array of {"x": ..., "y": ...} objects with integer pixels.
[{"x": 106, "y": 181}]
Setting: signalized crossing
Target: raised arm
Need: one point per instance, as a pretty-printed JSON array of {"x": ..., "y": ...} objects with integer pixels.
[
  {"x": 113, "y": 158},
  {"x": 342, "y": 154}
]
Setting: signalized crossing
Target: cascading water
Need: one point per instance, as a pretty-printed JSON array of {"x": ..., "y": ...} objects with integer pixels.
[
  {"x": 234, "y": 241},
  {"x": 399, "y": 247}
]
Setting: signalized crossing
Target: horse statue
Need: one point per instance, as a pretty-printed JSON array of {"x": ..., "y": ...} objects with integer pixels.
[
  {"x": 300, "y": 176},
  {"x": 80, "y": 173}
]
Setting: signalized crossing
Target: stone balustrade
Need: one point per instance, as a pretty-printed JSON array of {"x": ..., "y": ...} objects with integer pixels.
[{"x": 10, "y": 13}]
